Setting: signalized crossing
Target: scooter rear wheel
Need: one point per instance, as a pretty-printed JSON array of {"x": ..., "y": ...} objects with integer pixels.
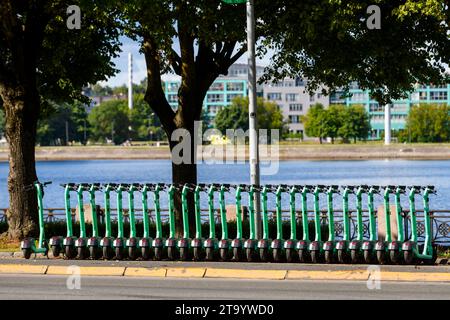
[
  {"x": 158, "y": 253},
  {"x": 184, "y": 254},
  {"x": 277, "y": 255},
  {"x": 303, "y": 256},
  {"x": 70, "y": 252},
  {"x": 56, "y": 251},
  {"x": 27, "y": 253},
  {"x": 381, "y": 256},
  {"x": 209, "y": 254},
  {"x": 264, "y": 254},
  {"x": 146, "y": 253}
]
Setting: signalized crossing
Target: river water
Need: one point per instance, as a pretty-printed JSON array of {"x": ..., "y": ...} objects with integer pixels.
[{"x": 377, "y": 172}]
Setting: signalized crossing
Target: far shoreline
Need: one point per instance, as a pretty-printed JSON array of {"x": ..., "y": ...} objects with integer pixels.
[{"x": 287, "y": 152}]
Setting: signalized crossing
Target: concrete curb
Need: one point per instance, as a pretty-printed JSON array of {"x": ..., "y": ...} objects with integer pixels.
[{"x": 221, "y": 273}]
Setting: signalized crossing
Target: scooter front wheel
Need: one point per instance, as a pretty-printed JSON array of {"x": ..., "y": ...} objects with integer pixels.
[
  {"x": 277, "y": 255},
  {"x": 290, "y": 255},
  {"x": 56, "y": 251},
  {"x": 223, "y": 254},
  {"x": 303, "y": 256},
  {"x": 172, "y": 253},
  {"x": 83, "y": 253},
  {"x": 433, "y": 259},
  {"x": 381, "y": 256},
  {"x": 354, "y": 256},
  {"x": 237, "y": 254},
  {"x": 368, "y": 258},
  {"x": 184, "y": 254},
  {"x": 146, "y": 253},
  {"x": 264, "y": 254},
  {"x": 315, "y": 256},
  {"x": 27, "y": 253},
  {"x": 198, "y": 254},
  {"x": 132, "y": 253},
  {"x": 342, "y": 256},
  {"x": 408, "y": 256},
  {"x": 119, "y": 253},
  {"x": 108, "y": 253},
  {"x": 328, "y": 256},
  {"x": 158, "y": 253},
  {"x": 94, "y": 253},
  {"x": 209, "y": 254},
  {"x": 70, "y": 252},
  {"x": 394, "y": 256}
]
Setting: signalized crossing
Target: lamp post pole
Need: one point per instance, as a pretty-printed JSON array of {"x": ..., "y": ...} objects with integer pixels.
[{"x": 253, "y": 123}]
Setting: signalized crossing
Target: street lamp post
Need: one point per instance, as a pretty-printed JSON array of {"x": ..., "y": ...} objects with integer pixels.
[{"x": 253, "y": 124}]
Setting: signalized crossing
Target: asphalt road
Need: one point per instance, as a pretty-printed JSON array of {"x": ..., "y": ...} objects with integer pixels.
[{"x": 55, "y": 287}]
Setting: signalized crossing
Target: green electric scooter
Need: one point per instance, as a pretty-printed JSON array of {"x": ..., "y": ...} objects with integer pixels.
[
  {"x": 145, "y": 243},
  {"x": 381, "y": 247},
  {"x": 426, "y": 253},
  {"x": 211, "y": 244},
  {"x": 302, "y": 246},
  {"x": 132, "y": 243},
  {"x": 197, "y": 242},
  {"x": 395, "y": 247},
  {"x": 342, "y": 246},
  {"x": 290, "y": 244},
  {"x": 171, "y": 242},
  {"x": 107, "y": 242},
  {"x": 264, "y": 243},
  {"x": 224, "y": 243},
  {"x": 251, "y": 244},
  {"x": 355, "y": 246},
  {"x": 316, "y": 247},
  {"x": 93, "y": 243},
  {"x": 237, "y": 244},
  {"x": 277, "y": 244},
  {"x": 329, "y": 247},
  {"x": 28, "y": 245},
  {"x": 119, "y": 243},
  {"x": 158, "y": 241},
  {"x": 185, "y": 242},
  {"x": 69, "y": 241},
  {"x": 368, "y": 246}
]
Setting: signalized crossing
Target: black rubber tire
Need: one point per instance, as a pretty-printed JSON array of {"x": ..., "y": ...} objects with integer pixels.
[
  {"x": 290, "y": 255},
  {"x": 368, "y": 257},
  {"x": 342, "y": 256},
  {"x": 381, "y": 256},
  {"x": 264, "y": 254},
  {"x": 394, "y": 256},
  {"x": 303, "y": 256},
  {"x": 184, "y": 254},
  {"x": 70, "y": 252},
  {"x": 27, "y": 253},
  {"x": 408, "y": 257},
  {"x": 56, "y": 251},
  {"x": 133, "y": 253},
  {"x": 82, "y": 253},
  {"x": 209, "y": 254},
  {"x": 276, "y": 254},
  {"x": 146, "y": 253},
  {"x": 158, "y": 253},
  {"x": 119, "y": 253},
  {"x": 250, "y": 254},
  {"x": 328, "y": 255},
  {"x": 198, "y": 253},
  {"x": 172, "y": 253},
  {"x": 314, "y": 254},
  {"x": 223, "y": 254},
  {"x": 432, "y": 261},
  {"x": 94, "y": 253},
  {"x": 354, "y": 256},
  {"x": 108, "y": 253},
  {"x": 237, "y": 254}
]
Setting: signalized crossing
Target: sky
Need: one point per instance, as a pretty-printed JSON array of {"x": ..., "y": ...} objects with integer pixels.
[{"x": 139, "y": 67}]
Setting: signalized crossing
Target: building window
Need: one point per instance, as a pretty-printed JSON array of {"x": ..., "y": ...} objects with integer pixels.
[
  {"x": 359, "y": 96},
  {"x": 216, "y": 86},
  {"x": 212, "y": 97},
  {"x": 291, "y": 97},
  {"x": 235, "y": 86},
  {"x": 274, "y": 96},
  {"x": 423, "y": 95},
  {"x": 438, "y": 95},
  {"x": 294, "y": 119},
  {"x": 232, "y": 96},
  {"x": 312, "y": 98},
  {"x": 299, "y": 82},
  {"x": 375, "y": 107},
  {"x": 295, "y": 107},
  {"x": 289, "y": 83}
]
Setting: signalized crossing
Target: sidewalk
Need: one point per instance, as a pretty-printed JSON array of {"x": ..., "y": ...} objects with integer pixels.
[{"x": 222, "y": 270}]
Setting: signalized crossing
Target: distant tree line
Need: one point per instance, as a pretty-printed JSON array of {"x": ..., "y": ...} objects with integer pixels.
[{"x": 350, "y": 123}]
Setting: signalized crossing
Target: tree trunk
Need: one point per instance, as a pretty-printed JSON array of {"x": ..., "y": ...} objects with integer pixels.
[{"x": 22, "y": 109}]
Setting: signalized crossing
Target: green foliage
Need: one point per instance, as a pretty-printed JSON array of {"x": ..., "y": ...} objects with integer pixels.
[
  {"x": 427, "y": 123},
  {"x": 236, "y": 116},
  {"x": 144, "y": 124},
  {"x": 350, "y": 122},
  {"x": 109, "y": 121},
  {"x": 52, "y": 128}
]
